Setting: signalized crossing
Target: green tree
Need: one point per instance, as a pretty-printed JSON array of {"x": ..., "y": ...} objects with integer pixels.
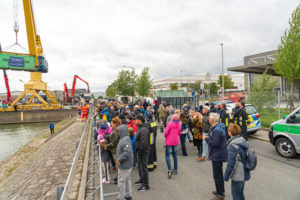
[
  {"x": 100, "y": 97},
  {"x": 262, "y": 92},
  {"x": 228, "y": 83},
  {"x": 287, "y": 59},
  {"x": 111, "y": 90},
  {"x": 125, "y": 84},
  {"x": 213, "y": 88},
  {"x": 143, "y": 82},
  {"x": 195, "y": 87},
  {"x": 174, "y": 86}
]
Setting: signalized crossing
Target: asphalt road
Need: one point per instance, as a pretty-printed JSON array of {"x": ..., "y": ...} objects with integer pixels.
[{"x": 275, "y": 178}]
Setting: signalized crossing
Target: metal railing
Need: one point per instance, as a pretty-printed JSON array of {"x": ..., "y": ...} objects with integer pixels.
[
  {"x": 95, "y": 159},
  {"x": 63, "y": 191}
]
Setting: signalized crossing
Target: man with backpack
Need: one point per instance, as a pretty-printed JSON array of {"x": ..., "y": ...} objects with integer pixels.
[{"x": 236, "y": 168}]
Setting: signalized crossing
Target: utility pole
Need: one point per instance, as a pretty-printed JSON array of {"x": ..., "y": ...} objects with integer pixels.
[
  {"x": 223, "y": 89},
  {"x": 181, "y": 71}
]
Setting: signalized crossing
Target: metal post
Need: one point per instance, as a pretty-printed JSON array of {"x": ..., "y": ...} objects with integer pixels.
[
  {"x": 222, "y": 73},
  {"x": 60, "y": 190},
  {"x": 100, "y": 175},
  {"x": 279, "y": 104}
]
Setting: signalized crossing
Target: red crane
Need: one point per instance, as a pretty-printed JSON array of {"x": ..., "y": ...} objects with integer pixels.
[
  {"x": 74, "y": 84},
  {"x": 7, "y": 86},
  {"x": 66, "y": 92}
]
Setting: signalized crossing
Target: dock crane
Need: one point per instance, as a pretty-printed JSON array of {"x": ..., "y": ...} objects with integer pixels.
[
  {"x": 66, "y": 92},
  {"x": 35, "y": 63}
]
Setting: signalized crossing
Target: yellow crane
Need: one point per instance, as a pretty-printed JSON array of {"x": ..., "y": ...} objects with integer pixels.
[{"x": 34, "y": 62}]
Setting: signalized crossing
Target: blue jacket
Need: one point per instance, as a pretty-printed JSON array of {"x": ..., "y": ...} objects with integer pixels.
[
  {"x": 132, "y": 138},
  {"x": 237, "y": 145},
  {"x": 106, "y": 112},
  {"x": 217, "y": 143},
  {"x": 51, "y": 126}
]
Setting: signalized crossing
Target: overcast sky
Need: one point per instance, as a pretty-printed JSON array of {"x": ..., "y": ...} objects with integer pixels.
[{"x": 95, "y": 38}]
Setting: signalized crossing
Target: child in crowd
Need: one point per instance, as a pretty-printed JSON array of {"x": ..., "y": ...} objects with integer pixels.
[
  {"x": 132, "y": 138},
  {"x": 104, "y": 158}
]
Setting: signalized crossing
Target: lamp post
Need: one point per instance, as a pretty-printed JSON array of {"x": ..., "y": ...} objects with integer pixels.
[
  {"x": 222, "y": 73},
  {"x": 181, "y": 71}
]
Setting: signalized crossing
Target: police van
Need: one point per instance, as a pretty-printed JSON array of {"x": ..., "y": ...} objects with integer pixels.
[
  {"x": 253, "y": 116},
  {"x": 284, "y": 134}
]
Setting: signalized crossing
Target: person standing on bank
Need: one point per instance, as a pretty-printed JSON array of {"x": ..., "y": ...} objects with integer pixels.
[
  {"x": 206, "y": 129},
  {"x": 244, "y": 120},
  {"x": 172, "y": 134},
  {"x": 142, "y": 147},
  {"x": 51, "y": 127},
  {"x": 237, "y": 172},
  {"x": 125, "y": 163},
  {"x": 217, "y": 153},
  {"x": 224, "y": 118}
]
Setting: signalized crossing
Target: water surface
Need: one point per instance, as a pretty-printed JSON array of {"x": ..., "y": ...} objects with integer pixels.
[{"x": 15, "y": 136}]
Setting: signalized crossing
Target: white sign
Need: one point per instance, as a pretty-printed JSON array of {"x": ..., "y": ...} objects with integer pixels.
[{"x": 202, "y": 86}]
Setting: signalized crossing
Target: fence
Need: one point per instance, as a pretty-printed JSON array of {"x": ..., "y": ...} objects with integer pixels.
[
  {"x": 178, "y": 102},
  {"x": 94, "y": 184},
  {"x": 63, "y": 191}
]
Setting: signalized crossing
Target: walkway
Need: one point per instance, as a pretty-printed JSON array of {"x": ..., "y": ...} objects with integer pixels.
[{"x": 45, "y": 169}]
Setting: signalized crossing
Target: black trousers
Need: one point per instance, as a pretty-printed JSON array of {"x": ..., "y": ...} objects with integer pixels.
[
  {"x": 152, "y": 159},
  {"x": 143, "y": 170},
  {"x": 182, "y": 142},
  {"x": 244, "y": 132},
  {"x": 198, "y": 143},
  {"x": 52, "y": 131},
  {"x": 218, "y": 177}
]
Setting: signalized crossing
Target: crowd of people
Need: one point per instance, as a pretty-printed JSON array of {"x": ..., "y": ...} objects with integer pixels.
[{"x": 127, "y": 135}]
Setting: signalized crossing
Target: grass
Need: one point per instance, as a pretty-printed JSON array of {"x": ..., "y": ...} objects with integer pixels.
[{"x": 267, "y": 117}]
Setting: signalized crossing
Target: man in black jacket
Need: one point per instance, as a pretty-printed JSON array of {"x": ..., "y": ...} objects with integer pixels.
[
  {"x": 243, "y": 120},
  {"x": 235, "y": 113},
  {"x": 142, "y": 147},
  {"x": 153, "y": 133}
]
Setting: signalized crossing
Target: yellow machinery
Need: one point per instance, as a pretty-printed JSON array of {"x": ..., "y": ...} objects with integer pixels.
[{"x": 16, "y": 61}]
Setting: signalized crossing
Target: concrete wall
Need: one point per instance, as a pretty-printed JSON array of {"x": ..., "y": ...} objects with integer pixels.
[{"x": 35, "y": 116}]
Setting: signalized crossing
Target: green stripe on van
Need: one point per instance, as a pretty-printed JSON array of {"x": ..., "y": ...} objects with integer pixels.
[{"x": 287, "y": 128}]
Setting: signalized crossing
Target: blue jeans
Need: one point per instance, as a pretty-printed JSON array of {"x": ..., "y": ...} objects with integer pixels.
[
  {"x": 204, "y": 148},
  {"x": 237, "y": 190},
  {"x": 171, "y": 150}
]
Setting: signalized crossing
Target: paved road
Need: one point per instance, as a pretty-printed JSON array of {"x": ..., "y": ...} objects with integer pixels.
[{"x": 275, "y": 177}]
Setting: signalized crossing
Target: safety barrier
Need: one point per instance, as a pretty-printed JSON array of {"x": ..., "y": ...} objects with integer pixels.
[
  {"x": 95, "y": 172},
  {"x": 63, "y": 191}
]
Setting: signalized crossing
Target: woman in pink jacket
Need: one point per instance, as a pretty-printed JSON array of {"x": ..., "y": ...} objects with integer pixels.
[{"x": 172, "y": 134}]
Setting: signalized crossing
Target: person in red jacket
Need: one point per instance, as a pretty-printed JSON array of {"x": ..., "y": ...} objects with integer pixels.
[
  {"x": 131, "y": 123},
  {"x": 84, "y": 111}
]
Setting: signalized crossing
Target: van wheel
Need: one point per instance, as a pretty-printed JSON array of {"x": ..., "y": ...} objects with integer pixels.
[{"x": 285, "y": 148}]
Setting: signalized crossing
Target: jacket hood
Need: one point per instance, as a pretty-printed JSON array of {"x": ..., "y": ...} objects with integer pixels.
[
  {"x": 239, "y": 140},
  {"x": 175, "y": 124},
  {"x": 105, "y": 109},
  {"x": 104, "y": 126},
  {"x": 123, "y": 130},
  {"x": 171, "y": 111},
  {"x": 220, "y": 125}
]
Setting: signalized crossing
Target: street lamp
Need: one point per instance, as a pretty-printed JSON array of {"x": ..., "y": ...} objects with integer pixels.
[
  {"x": 181, "y": 71},
  {"x": 222, "y": 73}
]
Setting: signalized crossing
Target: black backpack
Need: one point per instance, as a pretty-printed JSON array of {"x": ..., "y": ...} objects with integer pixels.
[{"x": 251, "y": 160}]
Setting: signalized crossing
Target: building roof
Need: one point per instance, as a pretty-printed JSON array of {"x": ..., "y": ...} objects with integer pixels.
[{"x": 257, "y": 63}]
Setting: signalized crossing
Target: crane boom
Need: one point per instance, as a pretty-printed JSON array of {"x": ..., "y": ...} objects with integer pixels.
[
  {"x": 66, "y": 93},
  {"x": 74, "y": 84}
]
